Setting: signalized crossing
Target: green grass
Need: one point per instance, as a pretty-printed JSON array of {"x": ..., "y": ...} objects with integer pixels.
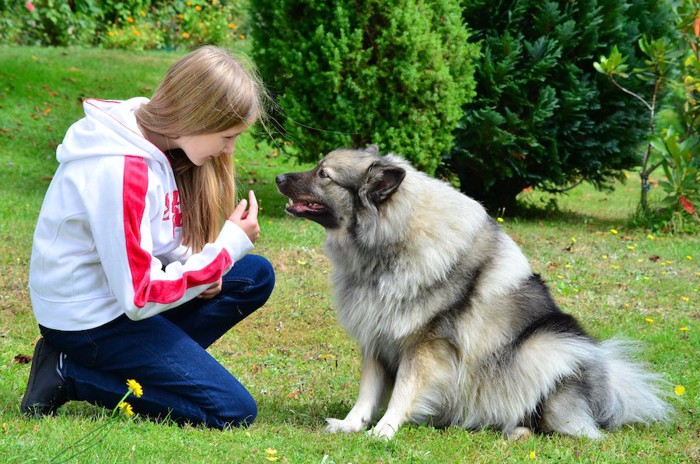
[{"x": 291, "y": 354}]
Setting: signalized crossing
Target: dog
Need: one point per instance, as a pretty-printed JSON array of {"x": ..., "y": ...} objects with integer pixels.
[{"x": 454, "y": 327}]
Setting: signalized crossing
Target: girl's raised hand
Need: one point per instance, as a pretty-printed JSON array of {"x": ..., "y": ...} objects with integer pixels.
[{"x": 246, "y": 217}]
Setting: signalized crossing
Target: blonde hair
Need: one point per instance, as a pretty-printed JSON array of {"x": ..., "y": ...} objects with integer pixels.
[{"x": 207, "y": 91}]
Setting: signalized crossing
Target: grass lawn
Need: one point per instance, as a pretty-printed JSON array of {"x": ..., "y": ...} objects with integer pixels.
[{"x": 291, "y": 354}]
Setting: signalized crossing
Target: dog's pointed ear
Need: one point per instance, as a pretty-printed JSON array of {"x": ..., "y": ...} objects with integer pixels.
[
  {"x": 381, "y": 181},
  {"x": 372, "y": 149}
]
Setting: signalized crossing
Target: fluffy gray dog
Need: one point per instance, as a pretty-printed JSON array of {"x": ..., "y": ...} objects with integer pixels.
[{"x": 453, "y": 326}]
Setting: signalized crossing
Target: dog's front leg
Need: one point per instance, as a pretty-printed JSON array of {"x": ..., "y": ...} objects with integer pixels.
[
  {"x": 421, "y": 391},
  {"x": 403, "y": 397},
  {"x": 372, "y": 386}
]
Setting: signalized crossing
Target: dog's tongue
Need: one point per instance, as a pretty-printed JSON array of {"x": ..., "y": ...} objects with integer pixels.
[{"x": 301, "y": 206}]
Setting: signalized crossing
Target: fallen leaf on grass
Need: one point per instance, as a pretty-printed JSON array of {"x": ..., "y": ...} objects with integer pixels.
[{"x": 23, "y": 359}]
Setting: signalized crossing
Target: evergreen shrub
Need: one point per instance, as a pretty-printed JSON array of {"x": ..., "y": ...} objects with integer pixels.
[
  {"x": 350, "y": 73},
  {"x": 543, "y": 117}
]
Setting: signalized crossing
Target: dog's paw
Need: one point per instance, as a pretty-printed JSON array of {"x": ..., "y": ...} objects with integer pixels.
[
  {"x": 518, "y": 434},
  {"x": 383, "y": 431},
  {"x": 345, "y": 426}
]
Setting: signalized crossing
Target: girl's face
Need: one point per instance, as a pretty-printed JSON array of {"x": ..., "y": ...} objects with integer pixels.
[{"x": 204, "y": 147}]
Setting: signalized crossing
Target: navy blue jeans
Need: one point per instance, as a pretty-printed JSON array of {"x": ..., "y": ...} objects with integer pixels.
[{"x": 167, "y": 355}]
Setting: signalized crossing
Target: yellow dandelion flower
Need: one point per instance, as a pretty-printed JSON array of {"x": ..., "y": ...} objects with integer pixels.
[
  {"x": 188, "y": 3},
  {"x": 137, "y": 32},
  {"x": 231, "y": 26},
  {"x": 180, "y": 16},
  {"x": 573, "y": 239},
  {"x": 272, "y": 458},
  {"x": 500, "y": 219},
  {"x": 613, "y": 231},
  {"x": 684, "y": 328},
  {"x": 649, "y": 320},
  {"x": 685, "y": 298},
  {"x": 650, "y": 237},
  {"x": 198, "y": 8},
  {"x": 615, "y": 266},
  {"x": 142, "y": 13},
  {"x": 242, "y": 36},
  {"x": 604, "y": 256},
  {"x": 679, "y": 390},
  {"x": 271, "y": 451},
  {"x": 135, "y": 388},
  {"x": 631, "y": 247},
  {"x": 126, "y": 408},
  {"x": 689, "y": 258},
  {"x": 185, "y": 35},
  {"x": 111, "y": 33},
  {"x": 129, "y": 19},
  {"x": 533, "y": 456}
]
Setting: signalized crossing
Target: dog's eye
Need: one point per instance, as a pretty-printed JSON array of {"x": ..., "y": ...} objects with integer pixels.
[{"x": 322, "y": 173}]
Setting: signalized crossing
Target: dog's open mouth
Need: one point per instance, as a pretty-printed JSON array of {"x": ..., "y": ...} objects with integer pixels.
[{"x": 303, "y": 208}]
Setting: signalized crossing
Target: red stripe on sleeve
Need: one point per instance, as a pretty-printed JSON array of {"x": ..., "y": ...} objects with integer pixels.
[{"x": 145, "y": 290}]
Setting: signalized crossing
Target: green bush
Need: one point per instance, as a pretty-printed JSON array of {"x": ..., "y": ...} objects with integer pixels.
[
  {"x": 130, "y": 25},
  {"x": 543, "y": 117},
  {"x": 350, "y": 73},
  {"x": 48, "y": 22}
]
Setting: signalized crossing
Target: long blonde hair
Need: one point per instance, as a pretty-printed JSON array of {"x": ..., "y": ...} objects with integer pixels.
[{"x": 207, "y": 91}]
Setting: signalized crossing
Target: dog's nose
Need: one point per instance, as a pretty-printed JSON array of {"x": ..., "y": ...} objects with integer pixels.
[{"x": 280, "y": 179}]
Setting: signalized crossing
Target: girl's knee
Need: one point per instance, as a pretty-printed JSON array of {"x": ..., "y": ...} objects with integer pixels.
[
  {"x": 260, "y": 274},
  {"x": 239, "y": 412}
]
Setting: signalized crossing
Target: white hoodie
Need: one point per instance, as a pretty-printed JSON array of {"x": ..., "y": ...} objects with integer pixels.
[{"x": 108, "y": 238}]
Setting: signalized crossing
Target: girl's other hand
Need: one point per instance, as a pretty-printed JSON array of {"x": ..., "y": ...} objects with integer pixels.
[
  {"x": 212, "y": 291},
  {"x": 246, "y": 217}
]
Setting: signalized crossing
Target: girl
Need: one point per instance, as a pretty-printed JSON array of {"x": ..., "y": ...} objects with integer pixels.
[{"x": 135, "y": 269}]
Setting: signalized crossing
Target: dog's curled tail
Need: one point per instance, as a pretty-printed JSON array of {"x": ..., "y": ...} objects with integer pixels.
[{"x": 634, "y": 393}]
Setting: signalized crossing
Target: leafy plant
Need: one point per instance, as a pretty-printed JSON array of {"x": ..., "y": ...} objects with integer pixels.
[
  {"x": 670, "y": 67},
  {"x": 682, "y": 184}
]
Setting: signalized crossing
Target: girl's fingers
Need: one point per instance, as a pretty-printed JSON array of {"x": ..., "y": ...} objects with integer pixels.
[{"x": 253, "y": 210}]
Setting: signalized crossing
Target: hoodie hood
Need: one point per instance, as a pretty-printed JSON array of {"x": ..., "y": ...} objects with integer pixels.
[{"x": 108, "y": 129}]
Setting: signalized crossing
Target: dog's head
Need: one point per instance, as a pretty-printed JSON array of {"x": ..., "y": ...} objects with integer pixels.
[{"x": 341, "y": 186}]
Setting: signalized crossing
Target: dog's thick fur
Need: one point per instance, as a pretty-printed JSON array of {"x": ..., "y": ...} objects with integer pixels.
[{"x": 454, "y": 327}]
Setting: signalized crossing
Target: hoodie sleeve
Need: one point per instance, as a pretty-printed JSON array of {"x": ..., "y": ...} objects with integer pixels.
[{"x": 123, "y": 222}]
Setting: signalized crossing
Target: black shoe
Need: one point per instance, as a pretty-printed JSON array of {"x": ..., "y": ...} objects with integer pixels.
[{"x": 46, "y": 389}]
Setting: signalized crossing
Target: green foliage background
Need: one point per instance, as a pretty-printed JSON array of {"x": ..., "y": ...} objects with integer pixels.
[{"x": 130, "y": 25}]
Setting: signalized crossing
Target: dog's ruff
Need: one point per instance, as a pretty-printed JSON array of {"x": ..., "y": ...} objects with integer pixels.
[{"x": 453, "y": 326}]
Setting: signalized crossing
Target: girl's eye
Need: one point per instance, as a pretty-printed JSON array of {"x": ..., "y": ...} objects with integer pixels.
[{"x": 322, "y": 173}]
